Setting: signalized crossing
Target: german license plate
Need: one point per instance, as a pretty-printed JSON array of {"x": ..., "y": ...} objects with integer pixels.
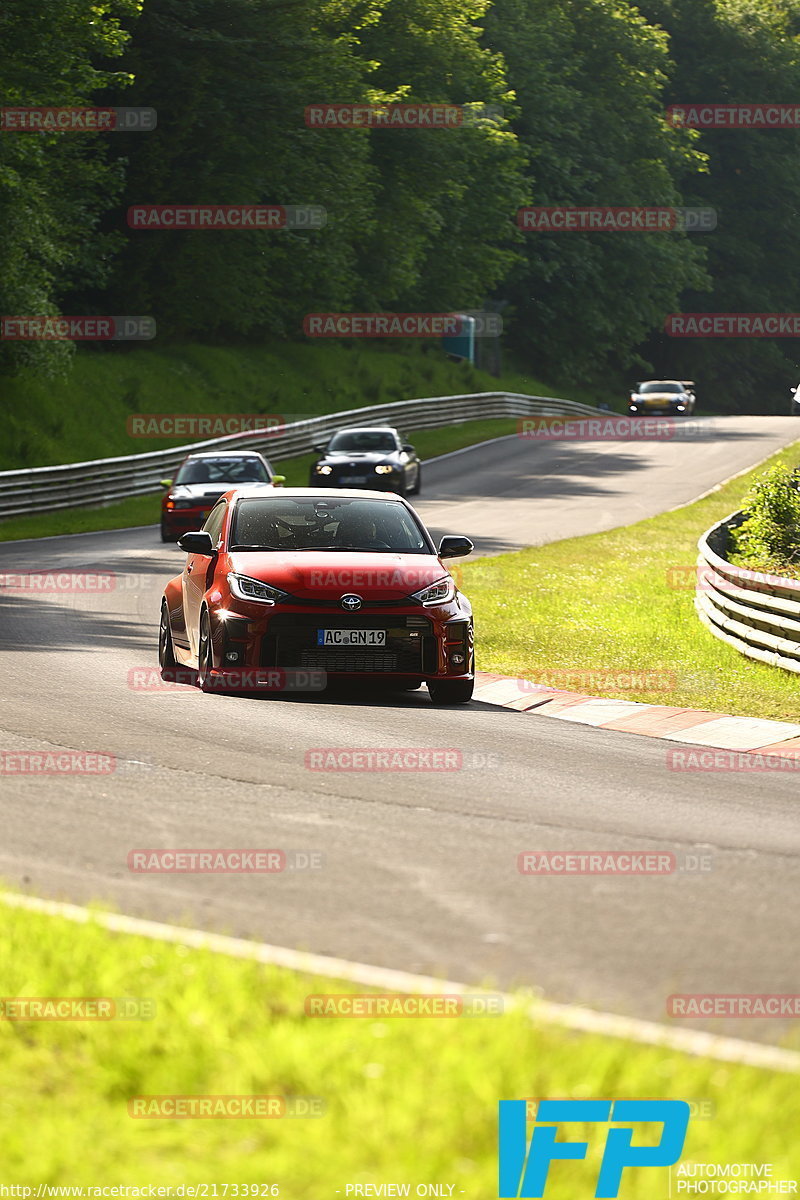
[
  {"x": 354, "y": 480},
  {"x": 351, "y": 637}
]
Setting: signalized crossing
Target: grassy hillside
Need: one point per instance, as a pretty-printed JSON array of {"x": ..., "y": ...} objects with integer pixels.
[{"x": 83, "y": 415}]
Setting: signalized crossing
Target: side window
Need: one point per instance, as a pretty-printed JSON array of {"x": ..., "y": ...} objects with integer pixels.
[{"x": 214, "y": 521}]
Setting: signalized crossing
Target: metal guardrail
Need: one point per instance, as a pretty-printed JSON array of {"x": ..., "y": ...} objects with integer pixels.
[
  {"x": 756, "y": 613},
  {"x": 104, "y": 480}
]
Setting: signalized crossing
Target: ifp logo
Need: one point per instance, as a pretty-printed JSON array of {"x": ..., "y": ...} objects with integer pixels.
[{"x": 524, "y": 1168}]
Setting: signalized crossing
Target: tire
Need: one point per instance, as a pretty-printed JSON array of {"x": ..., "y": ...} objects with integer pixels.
[
  {"x": 417, "y": 488},
  {"x": 166, "y": 536},
  {"x": 451, "y": 691},
  {"x": 205, "y": 655},
  {"x": 166, "y": 654}
]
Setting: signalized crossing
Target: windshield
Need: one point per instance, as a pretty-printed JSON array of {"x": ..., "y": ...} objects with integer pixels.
[
  {"x": 319, "y": 523},
  {"x": 223, "y": 470},
  {"x": 364, "y": 440},
  {"x": 660, "y": 387}
]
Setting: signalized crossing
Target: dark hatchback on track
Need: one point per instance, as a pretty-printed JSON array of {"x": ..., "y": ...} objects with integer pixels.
[{"x": 374, "y": 457}]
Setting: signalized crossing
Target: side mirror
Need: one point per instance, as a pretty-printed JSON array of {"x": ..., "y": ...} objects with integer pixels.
[
  {"x": 409, "y": 449},
  {"x": 318, "y": 449},
  {"x": 166, "y": 482},
  {"x": 197, "y": 543},
  {"x": 453, "y": 546},
  {"x": 278, "y": 480}
]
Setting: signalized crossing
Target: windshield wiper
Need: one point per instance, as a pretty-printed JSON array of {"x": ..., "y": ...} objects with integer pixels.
[{"x": 234, "y": 548}]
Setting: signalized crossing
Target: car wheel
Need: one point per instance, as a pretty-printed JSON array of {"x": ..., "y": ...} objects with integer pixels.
[
  {"x": 417, "y": 488},
  {"x": 166, "y": 536},
  {"x": 205, "y": 655},
  {"x": 451, "y": 691},
  {"x": 166, "y": 654}
]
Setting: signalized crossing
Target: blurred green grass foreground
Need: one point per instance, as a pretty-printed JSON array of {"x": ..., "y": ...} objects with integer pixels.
[{"x": 403, "y": 1100}]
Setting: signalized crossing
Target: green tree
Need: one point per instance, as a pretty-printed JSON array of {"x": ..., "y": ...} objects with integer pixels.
[
  {"x": 589, "y": 77},
  {"x": 54, "y": 187},
  {"x": 740, "y": 51}
]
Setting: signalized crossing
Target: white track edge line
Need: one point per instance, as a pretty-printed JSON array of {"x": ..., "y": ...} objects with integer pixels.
[
  {"x": 688, "y": 1041},
  {"x": 504, "y": 437}
]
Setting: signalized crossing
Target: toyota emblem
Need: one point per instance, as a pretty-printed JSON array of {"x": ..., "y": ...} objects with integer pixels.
[{"x": 351, "y": 603}]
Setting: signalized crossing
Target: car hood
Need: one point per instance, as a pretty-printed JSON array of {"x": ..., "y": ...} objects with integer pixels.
[
  {"x": 660, "y": 396},
  {"x": 359, "y": 456},
  {"x": 207, "y": 491},
  {"x": 329, "y": 575}
]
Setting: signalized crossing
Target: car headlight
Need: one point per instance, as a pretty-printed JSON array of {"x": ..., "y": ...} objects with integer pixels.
[
  {"x": 323, "y": 469},
  {"x": 245, "y": 588},
  {"x": 437, "y": 593},
  {"x": 383, "y": 469}
]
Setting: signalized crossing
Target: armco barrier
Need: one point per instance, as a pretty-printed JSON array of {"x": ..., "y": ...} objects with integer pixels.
[
  {"x": 77, "y": 485},
  {"x": 757, "y": 614}
]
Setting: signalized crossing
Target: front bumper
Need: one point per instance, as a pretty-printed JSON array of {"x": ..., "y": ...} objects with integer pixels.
[
  {"x": 372, "y": 483},
  {"x": 421, "y": 644},
  {"x": 184, "y": 520},
  {"x": 660, "y": 409}
]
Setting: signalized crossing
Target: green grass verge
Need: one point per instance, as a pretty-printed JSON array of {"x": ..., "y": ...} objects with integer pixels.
[
  {"x": 83, "y": 415},
  {"x": 145, "y": 510},
  {"x": 613, "y": 602},
  {"x": 407, "y": 1101}
]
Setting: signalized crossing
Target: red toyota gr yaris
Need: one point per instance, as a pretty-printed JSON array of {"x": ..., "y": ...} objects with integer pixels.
[{"x": 347, "y": 584}]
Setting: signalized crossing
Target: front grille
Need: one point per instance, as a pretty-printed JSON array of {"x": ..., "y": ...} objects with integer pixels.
[
  {"x": 292, "y": 642},
  {"x": 350, "y": 661},
  {"x": 335, "y": 602}
]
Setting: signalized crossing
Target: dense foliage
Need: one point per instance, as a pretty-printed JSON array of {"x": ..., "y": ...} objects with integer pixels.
[
  {"x": 768, "y": 538},
  {"x": 567, "y": 99}
]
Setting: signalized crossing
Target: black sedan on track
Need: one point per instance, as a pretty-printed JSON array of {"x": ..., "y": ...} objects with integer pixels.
[{"x": 373, "y": 457}]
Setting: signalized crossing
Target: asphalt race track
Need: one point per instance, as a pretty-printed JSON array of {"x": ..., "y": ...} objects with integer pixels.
[{"x": 419, "y": 871}]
